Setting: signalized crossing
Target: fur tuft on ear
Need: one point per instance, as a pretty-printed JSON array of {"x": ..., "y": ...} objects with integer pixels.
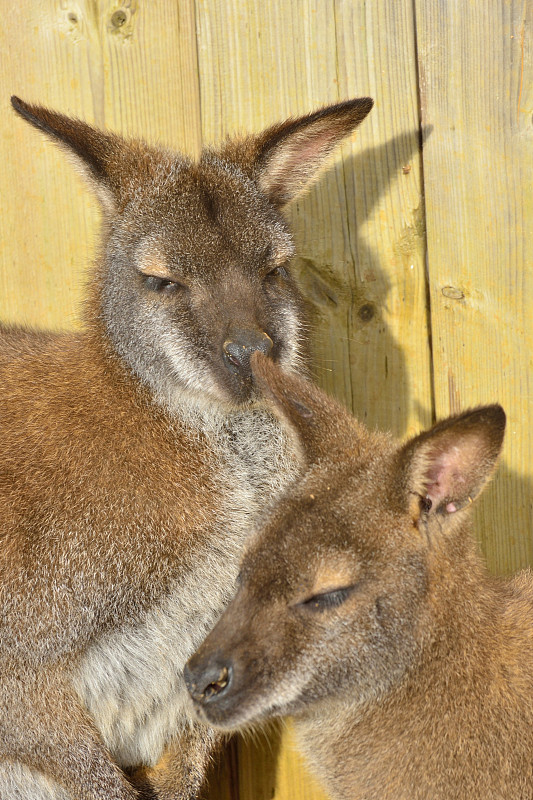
[
  {"x": 323, "y": 426},
  {"x": 448, "y": 466},
  {"x": 286, "y": 157}
]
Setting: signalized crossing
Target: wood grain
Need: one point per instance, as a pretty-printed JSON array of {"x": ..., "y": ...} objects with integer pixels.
[{"x": 476, "y": 83}]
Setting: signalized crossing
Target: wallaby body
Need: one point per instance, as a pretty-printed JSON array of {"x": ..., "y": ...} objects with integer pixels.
[
  {"x": 136, "y": 455},
  {"x": 365, "y": 611}
]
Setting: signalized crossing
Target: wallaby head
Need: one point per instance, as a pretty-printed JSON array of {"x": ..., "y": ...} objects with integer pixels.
[
  {"x": 338, "y": 591},
  {"x": 195, "y": 268}
]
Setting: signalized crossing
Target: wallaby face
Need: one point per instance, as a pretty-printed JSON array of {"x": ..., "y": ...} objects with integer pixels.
[
  {"x": 317, "y": 613},
  {"x": 364, "y": 611},
  {"x": 203, "y": 281},
  {"x": 130, "y": 480},
  {"x": 195, "y": 267}
]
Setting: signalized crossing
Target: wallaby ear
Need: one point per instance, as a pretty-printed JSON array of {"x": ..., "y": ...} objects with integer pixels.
[
  {"x": 286, "y": 157},
  {"x": 448, "y": 466},
  {"x": 93, "y": 150},
  {"x": 323, "y": 426}
]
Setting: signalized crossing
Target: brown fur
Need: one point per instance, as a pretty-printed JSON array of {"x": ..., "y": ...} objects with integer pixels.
[
  {"x": 365, "y": 611},
  {"x": 136, "y": 455}
]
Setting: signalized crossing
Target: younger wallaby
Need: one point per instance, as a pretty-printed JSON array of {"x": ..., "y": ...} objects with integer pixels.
[
  {"x": 136, "y": 455},
  {"x": 365, "y": 611}
]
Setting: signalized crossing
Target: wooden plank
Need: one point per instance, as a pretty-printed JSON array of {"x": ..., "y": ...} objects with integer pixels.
[
  {"x": 476, "y": 79},
  {"x": 360, "y": 230},
  {"x": 130, "y": 67},
  {"x": 47, "y": 216},
  {"x": 150, "y": 71},
  {"x": 383, "y": 337}
]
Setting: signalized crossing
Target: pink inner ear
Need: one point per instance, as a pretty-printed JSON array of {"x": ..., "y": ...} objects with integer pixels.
[
  {"x": 453, "y": 460},
  {"x": 294, "y": 164},
  {"x": 445, "y": 478},
  {"x": 317, "y": 147}
]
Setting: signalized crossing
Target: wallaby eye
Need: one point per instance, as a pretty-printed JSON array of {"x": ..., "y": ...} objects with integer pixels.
[
  {"x": 277, "y": 272},
  {"x": 327, "y": 600},
  {"x": 162, "y": 285}
]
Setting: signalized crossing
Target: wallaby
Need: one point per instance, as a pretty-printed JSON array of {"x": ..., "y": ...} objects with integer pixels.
[
  {"x": 136, "y": 455},
  {"x": 365, "y": 611}
]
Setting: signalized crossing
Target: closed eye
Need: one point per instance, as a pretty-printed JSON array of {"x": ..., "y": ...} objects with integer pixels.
[
  {"x": 277, "y": 272},
  {"x": 162, "y": 285},
  {"x": 327, "y": 600}
]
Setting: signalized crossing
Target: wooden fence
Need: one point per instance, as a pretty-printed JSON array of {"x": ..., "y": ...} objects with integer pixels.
[{"x": 417, "y": 260}]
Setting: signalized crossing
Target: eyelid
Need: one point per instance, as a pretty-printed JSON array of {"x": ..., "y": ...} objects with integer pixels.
[
  {"x": 277, "y": 254},
  {"x": 162, "y": 282},
  {"x": 332, "y": 598},
  {"x": 277, "y": 269}
]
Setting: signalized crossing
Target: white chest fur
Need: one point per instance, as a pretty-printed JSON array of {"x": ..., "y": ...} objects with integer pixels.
[{"x": 131, "y": 680}]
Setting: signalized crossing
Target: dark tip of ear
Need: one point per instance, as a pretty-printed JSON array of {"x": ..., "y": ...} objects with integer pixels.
[
  {"x": 24, "y": 109},
  {"x": 20, "y": 106},
  {"x": 354, "y": 110},
  {"x": 363, "y": 104},
  {"x": 493, "y": 416},
  {"x": 35, "y": 115},
  {"x": 496, "y": 413},
  {"x": 89, "y": 144},
  {"x": 497, "y": 416}
]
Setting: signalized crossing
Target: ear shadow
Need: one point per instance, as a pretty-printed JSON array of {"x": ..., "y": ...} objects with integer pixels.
[{"x": 346, "y": 303}]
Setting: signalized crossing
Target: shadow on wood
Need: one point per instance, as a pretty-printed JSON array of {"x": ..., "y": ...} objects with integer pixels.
[{"x": 348, "y": 301}]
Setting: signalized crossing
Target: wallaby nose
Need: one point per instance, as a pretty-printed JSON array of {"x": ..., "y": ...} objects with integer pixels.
[
  {"x": 239, "y": 347},
  {"x": 207, "y": 683}
]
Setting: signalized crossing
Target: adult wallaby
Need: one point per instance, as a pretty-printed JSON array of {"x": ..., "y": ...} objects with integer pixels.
[
  {"x": 365, "y": 611},
  {"x": 136, "y": 455}
]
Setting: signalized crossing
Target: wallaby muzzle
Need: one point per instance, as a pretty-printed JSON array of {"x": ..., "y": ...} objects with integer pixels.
[
  {"x": 210, "y": 682},
  {"x": 240, "y": 345}
]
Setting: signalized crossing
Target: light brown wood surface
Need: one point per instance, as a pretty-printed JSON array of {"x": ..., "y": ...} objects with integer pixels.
[
  {"x": 476, "y": 90},
  {"x": 417, "y": 264}
]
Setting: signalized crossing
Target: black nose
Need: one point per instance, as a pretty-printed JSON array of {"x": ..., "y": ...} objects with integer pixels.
[
  {"x": 240, "y": 345},
  {"x": 207, "y": 683}
]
